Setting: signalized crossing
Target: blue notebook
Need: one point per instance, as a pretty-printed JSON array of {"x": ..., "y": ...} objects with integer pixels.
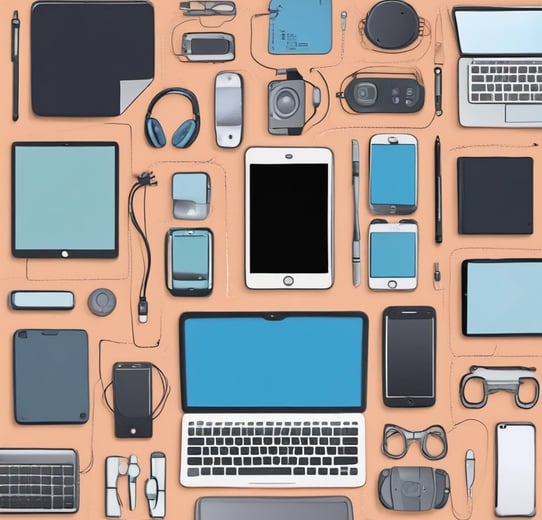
[{"x": 300, "y": 27}]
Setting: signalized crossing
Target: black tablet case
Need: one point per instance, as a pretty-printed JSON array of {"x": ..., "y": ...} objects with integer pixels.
[
  {"x": 50, "y": 376},
  {"x": 90, "y": 58},
  {"x": 495, "y": 195}
]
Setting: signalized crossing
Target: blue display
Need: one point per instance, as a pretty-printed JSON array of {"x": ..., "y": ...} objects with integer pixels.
[
  {"x": 65, "y": 198},
  {"x": 500, "y": 31},
  {"x": 393, "y": 255},
  {"x": 393, "y": 174},
  {"x": 294, "y": 362},
  {"x": 504, "y": 298}
]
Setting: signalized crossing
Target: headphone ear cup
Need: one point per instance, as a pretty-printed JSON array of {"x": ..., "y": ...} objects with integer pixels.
[
  {"x": 184, "y": 135},
  {"x": 155, "y": 133}
]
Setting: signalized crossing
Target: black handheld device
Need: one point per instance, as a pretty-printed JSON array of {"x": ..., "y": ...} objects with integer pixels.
[
  {"x": 132, "y": 393},
  {"x": 409, "y": 347}
]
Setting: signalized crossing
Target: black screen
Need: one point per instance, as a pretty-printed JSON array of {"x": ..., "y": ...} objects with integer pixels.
[
  {"x": 132, "y": 391},
  {"x": 289, "y": 218},
  {"x": 410, "y": 357}
]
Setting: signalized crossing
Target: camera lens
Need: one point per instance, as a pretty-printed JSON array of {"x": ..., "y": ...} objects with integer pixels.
[
  {"x": 286, "y": 102},
  {"x": 365, "y": 94}
]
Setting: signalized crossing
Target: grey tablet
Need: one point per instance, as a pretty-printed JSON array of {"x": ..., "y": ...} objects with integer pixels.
[
  {"x": 272, "y": 508},
  {"x": 50, "y": 376}
]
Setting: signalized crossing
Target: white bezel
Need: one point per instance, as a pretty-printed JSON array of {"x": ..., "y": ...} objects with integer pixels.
[
  {"x": 387, "y": 283},
  {"x": 278, "y": 156}
]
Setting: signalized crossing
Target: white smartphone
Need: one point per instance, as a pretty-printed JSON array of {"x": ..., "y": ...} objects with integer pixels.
[
  {"x": 228, "y": 109},
  {"x": 515, "y": 450},
  {"x": 393, "y": 174},
  {"x": 288, "y": 218},
  {"x": 393, "y": 254}
]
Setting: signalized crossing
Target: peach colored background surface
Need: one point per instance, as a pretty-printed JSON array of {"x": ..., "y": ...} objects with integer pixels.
[{"x": 95, "y": 440}]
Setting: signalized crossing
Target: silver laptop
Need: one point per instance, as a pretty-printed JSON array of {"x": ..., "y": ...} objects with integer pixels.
[
  {"x": 273, "y": 399},
  {"x": 500, "y": 68}
]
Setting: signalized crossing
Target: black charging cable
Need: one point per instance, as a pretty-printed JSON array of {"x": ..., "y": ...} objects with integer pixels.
[{"x": 143, "y": 180}]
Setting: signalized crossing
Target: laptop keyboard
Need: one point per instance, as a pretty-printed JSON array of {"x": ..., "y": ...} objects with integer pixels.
[
  {"x": 505, "y": 82},
  {"x": 308, "y": 449},
  {"x": 31, "y": 481}
]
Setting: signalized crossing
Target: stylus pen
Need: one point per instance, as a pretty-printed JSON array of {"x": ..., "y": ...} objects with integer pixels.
[
  {"x": 438, "y": 193},
  {"x": 356, "y": 269},
  {"x": 15, "y": 26}
]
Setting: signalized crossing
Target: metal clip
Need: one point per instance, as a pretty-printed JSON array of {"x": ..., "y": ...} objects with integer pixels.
[
  {"x": 114, "y": 468},
  {"x": 495, "y": 379},
  {"x": 133, "y": 473},
  {"x": 155, "y": 486}
]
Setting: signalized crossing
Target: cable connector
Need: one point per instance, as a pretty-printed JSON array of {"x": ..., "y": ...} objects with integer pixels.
[
  {"x": 147, "y": 179},
  {"x": 142, "y": 310}
]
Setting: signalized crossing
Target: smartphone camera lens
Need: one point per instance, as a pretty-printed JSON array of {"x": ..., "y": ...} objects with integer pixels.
[{"x": 365, "y": 94}]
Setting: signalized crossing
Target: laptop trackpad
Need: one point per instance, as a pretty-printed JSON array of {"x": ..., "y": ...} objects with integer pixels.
[{"x": 523, "y": 113}]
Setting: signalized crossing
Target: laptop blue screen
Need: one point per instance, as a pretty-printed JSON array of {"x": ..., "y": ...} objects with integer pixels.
[
  {"x": 249, "y": 361},
  {"x": 502, "y": 32}
]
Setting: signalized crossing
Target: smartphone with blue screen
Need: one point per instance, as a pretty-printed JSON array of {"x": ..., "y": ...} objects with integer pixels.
[
  {"x": 393, "y": 173},
  {"x": 189, "y": 261},
  {"x": 393, "y": 254}
]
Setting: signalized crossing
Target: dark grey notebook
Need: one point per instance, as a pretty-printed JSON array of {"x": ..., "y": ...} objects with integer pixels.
[
  {"x": 50, "y": 376},
  {"x": 495, "y": 195},
  {"x": 90, "y": 58}
]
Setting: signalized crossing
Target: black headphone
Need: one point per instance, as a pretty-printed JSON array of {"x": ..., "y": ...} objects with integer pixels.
[{"x": 185, "y": 135}]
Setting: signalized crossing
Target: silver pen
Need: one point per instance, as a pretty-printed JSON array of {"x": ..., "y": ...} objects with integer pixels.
[{"x": 356, "y": 268}]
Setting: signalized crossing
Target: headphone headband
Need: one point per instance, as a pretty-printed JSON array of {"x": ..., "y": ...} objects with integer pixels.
[{"x": 176, "y": 90}]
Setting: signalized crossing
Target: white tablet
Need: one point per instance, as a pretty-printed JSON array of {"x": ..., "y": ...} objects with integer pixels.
[{"x": 288, "y": 218}]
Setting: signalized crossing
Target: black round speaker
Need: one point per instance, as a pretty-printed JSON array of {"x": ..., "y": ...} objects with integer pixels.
[{"x": 392, "y": 25}]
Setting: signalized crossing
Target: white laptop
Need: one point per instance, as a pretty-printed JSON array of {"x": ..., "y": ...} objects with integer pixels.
[
  {"x": 273, "y": 399},
  {"x": 500, "y": 67}
]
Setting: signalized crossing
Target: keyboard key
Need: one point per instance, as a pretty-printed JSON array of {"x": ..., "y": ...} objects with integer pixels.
[
  {"x": 299, "y": 471},
  {"x": 194, "y": 461},
  {"x": 263, "y": 470},
  {"x": 196, "y": 441},
  {"x": 193, "y": 472},
  {"x": 345, "y": 461}
]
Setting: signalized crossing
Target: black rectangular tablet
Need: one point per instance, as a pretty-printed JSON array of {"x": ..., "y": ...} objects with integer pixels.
[
  {"x": 50, "y": 376},
  {"x": 495, "y": 195},
  {"x": 65, "y": 199},
  {"x": 90, "y": 58}
]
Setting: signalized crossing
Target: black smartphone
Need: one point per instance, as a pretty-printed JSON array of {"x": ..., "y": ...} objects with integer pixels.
[
  {"x": 132, "y": 394},
  {"x": 408, "y": 357}
]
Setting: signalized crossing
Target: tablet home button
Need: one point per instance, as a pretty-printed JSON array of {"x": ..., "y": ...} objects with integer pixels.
[
  {"x": 288, "y": 280},
  {"x": 392, "y": 284}
]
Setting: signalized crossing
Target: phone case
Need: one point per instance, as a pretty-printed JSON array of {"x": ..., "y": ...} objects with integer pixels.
[{"x": 515, "y": 492}]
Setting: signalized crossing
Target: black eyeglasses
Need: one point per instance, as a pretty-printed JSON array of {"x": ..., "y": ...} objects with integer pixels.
[{"x": 406, "y": 437}]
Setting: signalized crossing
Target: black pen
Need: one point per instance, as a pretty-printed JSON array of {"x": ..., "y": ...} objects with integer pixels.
[
  {"x": 356, "y": 271},
  {"x": 438, "y": 193},
  {"x": 15, "y": 26}
]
